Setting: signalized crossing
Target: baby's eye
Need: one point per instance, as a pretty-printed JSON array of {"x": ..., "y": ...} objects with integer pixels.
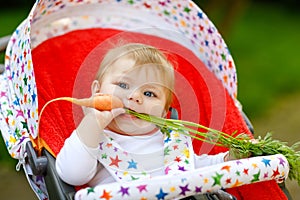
[
  {"x": 123, "y": 85},
  {"x": 149, "y": 94}
]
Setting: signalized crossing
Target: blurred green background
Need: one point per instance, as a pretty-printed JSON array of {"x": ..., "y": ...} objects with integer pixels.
[{"x": 264, "y": 39}]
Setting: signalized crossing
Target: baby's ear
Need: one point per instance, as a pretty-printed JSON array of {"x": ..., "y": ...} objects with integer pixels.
[
  {"x": 173, "y": 113},
  {"x": 95, "y": 87}
]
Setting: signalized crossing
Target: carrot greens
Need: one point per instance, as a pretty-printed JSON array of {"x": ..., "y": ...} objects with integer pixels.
[{"x": 240, "y": 143}]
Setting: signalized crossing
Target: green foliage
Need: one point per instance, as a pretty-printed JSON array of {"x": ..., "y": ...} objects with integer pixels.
[
  {"x": 9, "y": 20},
  {"x": 264, "y": 46}
]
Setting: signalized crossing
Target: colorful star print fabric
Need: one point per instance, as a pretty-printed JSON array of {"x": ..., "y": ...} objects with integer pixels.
[
  {"x": 123, "y": 166},
  {"x": 198, "y": 181}
]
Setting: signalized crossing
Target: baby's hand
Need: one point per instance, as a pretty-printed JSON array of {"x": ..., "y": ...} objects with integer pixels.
[
  {"x": 93, "y": 124},
  {"x": 234, "y": 154},
  {"x": 105, "y": 117}
]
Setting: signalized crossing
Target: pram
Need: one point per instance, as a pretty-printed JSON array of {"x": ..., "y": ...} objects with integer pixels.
[{"x": 56, "y": 49}]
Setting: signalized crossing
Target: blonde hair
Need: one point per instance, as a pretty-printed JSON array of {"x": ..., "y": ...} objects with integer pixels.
[{"x": 142, "y": 54}]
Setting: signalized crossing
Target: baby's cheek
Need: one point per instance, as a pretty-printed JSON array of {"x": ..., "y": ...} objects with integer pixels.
[{"x": 156, "y": 110}]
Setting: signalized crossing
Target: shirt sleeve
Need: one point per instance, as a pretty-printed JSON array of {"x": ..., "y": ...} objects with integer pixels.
[
  {"x": 76, "y": 164},
  {"x": 205, "y": 160}
]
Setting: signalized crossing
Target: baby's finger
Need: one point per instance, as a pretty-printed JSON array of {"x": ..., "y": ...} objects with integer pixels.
[
  {"x": 98, "y": 94},
  {"x": 86, "y": 110},
  {"x": 254, "y": 141},
  {"x": 117, "y": 111}
]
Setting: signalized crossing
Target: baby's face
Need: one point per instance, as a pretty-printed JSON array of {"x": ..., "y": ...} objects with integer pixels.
[{"x": 141, "y": 89}]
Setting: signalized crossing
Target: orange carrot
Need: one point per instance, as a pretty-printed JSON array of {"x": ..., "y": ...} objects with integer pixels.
[{"x": 103, "y": 102}]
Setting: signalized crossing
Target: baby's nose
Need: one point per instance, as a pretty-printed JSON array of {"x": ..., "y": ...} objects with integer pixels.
[{"x": 136, "y": 97}]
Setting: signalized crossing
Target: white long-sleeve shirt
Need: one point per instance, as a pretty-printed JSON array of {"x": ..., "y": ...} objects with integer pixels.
[{"x": 77, "y": 164}]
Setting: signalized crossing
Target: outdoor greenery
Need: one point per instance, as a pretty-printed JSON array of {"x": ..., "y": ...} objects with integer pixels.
[{"x": 264, "y": 46}]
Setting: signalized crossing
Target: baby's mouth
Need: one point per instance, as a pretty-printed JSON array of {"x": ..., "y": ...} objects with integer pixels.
[{"x": 129, "y": 116}]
